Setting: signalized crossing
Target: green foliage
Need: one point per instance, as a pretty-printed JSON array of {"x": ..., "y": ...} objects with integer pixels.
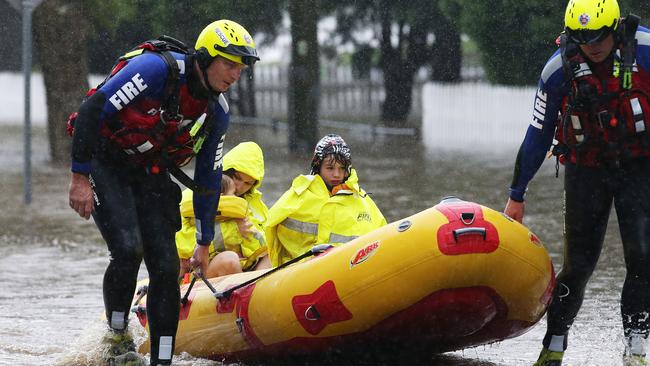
[
  {"x": 638, "y": 7},
  {"x": 121, "y": 25},
  {"x": 416, "y": 18},
  {"x": 187, "y": 18},
  {"x": 515, "y": 37},
  {"x": 108, "y": 14},
  {"x": 407, "y": 36},
  {"x": 117, "y": 27}
]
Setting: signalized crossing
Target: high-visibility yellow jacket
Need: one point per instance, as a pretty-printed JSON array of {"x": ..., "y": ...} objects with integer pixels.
[
  {"x": 247, "y": 158},
  {"x": 307, "y": 214}
]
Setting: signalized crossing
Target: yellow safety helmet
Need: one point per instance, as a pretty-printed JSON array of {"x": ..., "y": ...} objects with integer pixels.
[
  {"x": 227, "y": 39},
  {"x": 588, "y": 21}
]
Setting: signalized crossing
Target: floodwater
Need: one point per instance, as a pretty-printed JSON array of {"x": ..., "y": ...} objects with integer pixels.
[{"x": 52, "y": 261}]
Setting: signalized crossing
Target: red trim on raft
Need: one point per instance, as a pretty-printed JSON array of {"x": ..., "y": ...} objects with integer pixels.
[
  {"x": 322, "y": 307},
  {"x": 183, "y": 313},
  {"x": 446, "y": 320},
  {"x": 227, "y": 305},
  {"x": 243, "y": 299},
  {"x": 142, "y": 316},
  {"x": 548, "y": 293},
  {"x": 185, "y": 310}
]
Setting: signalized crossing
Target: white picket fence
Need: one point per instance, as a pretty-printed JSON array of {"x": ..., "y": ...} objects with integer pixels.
[
  {"x": 342, "y": 96},
  {"x": 475, "y": 116}
]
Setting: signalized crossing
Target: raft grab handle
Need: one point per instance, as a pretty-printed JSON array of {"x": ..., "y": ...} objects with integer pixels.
[{"x": 469, "y": 231}]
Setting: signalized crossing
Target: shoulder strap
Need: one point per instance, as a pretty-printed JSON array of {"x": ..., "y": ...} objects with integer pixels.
[
  {"x": 170, "y": 107},
  {"x": 162, "y": 46},
  {"x": 188, "y": 182}
]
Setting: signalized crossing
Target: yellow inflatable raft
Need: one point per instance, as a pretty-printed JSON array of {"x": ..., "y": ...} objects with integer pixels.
[{"x": 450, "y": 277}]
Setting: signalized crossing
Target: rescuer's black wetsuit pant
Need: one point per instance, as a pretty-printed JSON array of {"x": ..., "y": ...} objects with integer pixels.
[
  {"x": 589, "y": 193},
  {"x": 137, "y": 213}
]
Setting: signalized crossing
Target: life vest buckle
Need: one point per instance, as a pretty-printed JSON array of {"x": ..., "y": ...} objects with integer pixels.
[
  {"x": 166, "y": 116},
  {"x": 604, "y": 118}
]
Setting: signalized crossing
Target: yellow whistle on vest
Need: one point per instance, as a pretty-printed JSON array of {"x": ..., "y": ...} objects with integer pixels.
[{"x": 197, "y": 125}]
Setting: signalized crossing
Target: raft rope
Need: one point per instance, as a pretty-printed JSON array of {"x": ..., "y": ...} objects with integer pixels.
[{"x": 224, "y": 295}]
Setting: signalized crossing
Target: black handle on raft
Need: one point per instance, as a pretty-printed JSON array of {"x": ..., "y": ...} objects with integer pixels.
[
  {"x": 187, "y": 294},
  {"x": 469, "y": 231},
  {"x": 142, "y": 292},
  {"x": 207, "y": 283}
]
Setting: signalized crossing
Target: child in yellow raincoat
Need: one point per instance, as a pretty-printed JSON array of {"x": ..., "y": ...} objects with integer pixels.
[
  {"x": 326, "y": 206},
  {"x": 240, "y": 243}
]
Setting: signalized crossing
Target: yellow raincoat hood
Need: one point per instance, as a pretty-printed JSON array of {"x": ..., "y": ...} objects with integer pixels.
[{"x": 247, "y": 157}]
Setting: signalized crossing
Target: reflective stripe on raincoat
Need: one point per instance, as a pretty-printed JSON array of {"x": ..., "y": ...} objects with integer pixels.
[{"x": 307, "y": 215}]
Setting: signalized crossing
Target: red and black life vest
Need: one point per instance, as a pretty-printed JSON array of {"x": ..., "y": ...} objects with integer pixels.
[
  {"x": 604, "y": 120},
  {"x": 157, "y": 132},
  {"x": 146, "y": 136},
  {"x": 608, "y": 125}
]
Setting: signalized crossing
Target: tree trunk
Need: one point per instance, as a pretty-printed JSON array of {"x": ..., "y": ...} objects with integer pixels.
[
  {"x": 304, "y": 76},
  {"x": 250, "y": 95},
  {"x": 447, "y": 55},
  {"x": 10, "y": 37},
  {"x": 398, "y": 72},
  {"x": 60, "y": 32},
  {"x": 244, "y": 95},
  {"x": 397, "y": 104}
]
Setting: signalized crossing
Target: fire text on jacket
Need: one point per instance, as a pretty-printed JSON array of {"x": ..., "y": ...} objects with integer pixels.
[
  {"x": 539, "y": 112},
  {"x": 128, "y": 92},
  {"x": 218, "y": 157}
]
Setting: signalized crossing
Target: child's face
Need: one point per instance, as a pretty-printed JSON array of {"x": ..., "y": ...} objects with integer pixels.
[
  {"x": 332, "y": 172},
  {"x": 243, "y": 182}
]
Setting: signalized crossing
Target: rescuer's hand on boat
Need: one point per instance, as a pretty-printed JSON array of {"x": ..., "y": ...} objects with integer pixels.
[
  {"x": 515, "y": 210},
  {"x": 185, "y": 267},
  {"x": 200, "y": 258},
  {"x": 81, "y": 195}
]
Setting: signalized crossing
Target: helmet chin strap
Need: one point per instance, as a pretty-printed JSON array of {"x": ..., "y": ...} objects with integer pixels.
[
  {"x": 195, "y": 85},
  {"x": 206, "y": 84},
  {"x": 203, "y": 85}
]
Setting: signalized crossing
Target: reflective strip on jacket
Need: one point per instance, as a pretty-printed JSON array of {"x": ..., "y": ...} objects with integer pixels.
[{"x": 307, "y": 215}]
